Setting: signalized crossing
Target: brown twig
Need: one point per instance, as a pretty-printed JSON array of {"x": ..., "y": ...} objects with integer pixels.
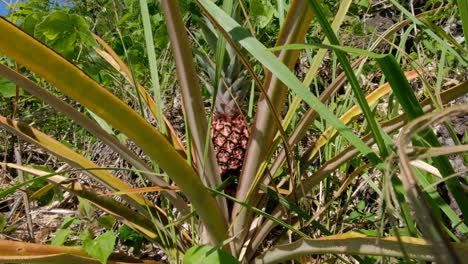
[{"x": 27, "y": 208}]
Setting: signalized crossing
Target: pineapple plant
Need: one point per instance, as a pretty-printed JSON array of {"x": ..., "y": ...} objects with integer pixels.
[{"x": 229, "y": 128}]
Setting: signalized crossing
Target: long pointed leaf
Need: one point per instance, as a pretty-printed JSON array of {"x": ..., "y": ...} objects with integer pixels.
[
  {"x": 357, "y": 244},
  {"x": 74, "y": 159},
  {"x": 18, "y": 45},
  {"x": 194, "y": 108},
  {"x": 191, "y": 92},
  {"x": 114, "y": 60},
  {"x": 133, "y": 219},
  {"x": 357, "y": 90},
  {"x": 92, "y": 127}
]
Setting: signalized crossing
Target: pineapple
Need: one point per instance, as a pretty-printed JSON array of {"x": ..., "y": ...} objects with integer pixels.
[
  {"x": 229, "y": 129},
  {"x": 230, "y": 134}
]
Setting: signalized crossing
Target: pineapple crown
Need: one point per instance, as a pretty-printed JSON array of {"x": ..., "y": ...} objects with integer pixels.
[{"x": 233, "y": 83}]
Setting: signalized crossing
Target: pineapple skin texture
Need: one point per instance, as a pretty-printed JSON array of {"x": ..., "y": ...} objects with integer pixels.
[{"x": 230, "y": 135}]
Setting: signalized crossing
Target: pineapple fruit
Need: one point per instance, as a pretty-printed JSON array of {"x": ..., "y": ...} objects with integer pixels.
[
  {"x": 229, "y": 129},
  {"x": 230, "y": 134}
]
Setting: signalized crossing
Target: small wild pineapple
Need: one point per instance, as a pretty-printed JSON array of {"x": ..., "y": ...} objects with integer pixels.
[
  {"x": 229, "y": 129},
  {"x": 230, "y": 134}
]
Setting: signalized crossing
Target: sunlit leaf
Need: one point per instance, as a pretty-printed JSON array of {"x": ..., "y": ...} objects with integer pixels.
[
  {"x": 61, "y": 236},
  {"x": 101, "y": 247},
  {"x": 208, "y": 255},
  {"x": 8, "y": 89},
  {"x": 261, "y": 12}
]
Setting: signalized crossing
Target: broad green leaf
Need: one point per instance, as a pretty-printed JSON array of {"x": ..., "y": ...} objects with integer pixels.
[
  {"x": 31, "y": 21},
  {"x": 261, "y": 12},
  {"x": 86, "y": 234},
  {"x": 208, "y": 255},
  {"x": 130, "y": 237},
  {"x": 8, "y": 89},
  {"x": 85, "y": 208},
  {"x": 101, "y": 247},
  {"x": 63, "y": 32},
  {"x": 61, "y": 236},
  {"x": 106, "y": 221}
]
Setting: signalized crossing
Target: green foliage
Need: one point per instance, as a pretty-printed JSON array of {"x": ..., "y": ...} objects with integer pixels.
[
  {"x": 37, "y": 184},
  {"x": 360, "y": 215},
  {"x": 131, "y": 238},
  {"x": 106, "y": 221},
  {"x": 66, "y": 33},
  {"x": 61, "y": 237},
  {"x": 74, "y": 229},
  {"x": 261, "y": 12},
  {"x": 101, "y": 247},
  {"x": 127, "y": 36},
  {"x": 70, "y": 220},
  {"x": 85, "y": 209},
  {"x": 303, "y": 195},
  {"x": 8, "y": 89},
  {"x": 3, "y": 222},
  {"x": 85, "y": 235},
  {"x": 208, "y": 255},
  {"x": 23, "y": 9}
]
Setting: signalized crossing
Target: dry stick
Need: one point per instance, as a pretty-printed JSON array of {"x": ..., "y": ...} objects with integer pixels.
[
  {"x": 27, "y": 208},
  {"x": 247, "y": 18},
  {"x": 17, "y": 152},
  {"x": 418, "y": 153}
]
